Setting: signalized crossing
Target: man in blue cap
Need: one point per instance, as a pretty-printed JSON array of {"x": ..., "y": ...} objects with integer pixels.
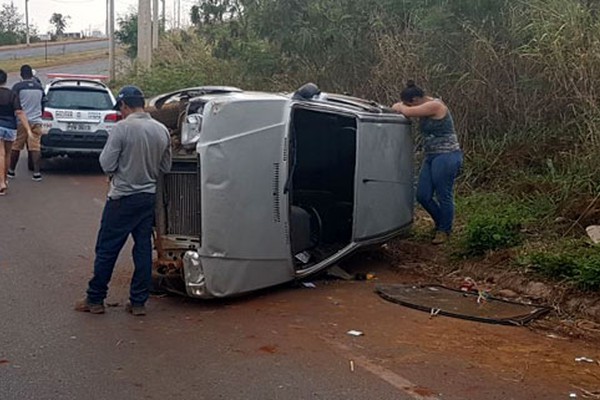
[{"x": 137, "y": 151}]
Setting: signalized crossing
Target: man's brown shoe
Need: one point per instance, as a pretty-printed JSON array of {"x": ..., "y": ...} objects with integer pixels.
[
  {"x": 84, "y": 306},
  {"x": 440, "y": 237},
  {"x": 138, "y": 311}
]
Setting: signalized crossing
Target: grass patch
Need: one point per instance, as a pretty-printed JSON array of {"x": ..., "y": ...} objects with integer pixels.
[
  {"x": 493, "y": 221},
  {"x": 573, "y": 261}
]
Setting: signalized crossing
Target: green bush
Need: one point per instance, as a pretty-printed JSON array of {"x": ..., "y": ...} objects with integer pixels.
[
  {"x": 577, "y": 263},
  {"x": 491, "y": 232},
  {"x": 494, "y": 221}
]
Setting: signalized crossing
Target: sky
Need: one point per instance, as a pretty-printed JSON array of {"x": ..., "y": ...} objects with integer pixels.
[{"x": 86, "y": 15}]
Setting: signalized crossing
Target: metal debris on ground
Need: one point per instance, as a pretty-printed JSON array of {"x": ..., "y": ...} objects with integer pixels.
[
  {"x": 337, "y": 272},
  {"x": 353, "y": 332},
  {"x": 470, "y": 285},
  {"x": 434, "y": 312},
  {"x": 474, "y": 305},
  {"x": 553, "y": 336},
  {"x": 303, "y": 257}
]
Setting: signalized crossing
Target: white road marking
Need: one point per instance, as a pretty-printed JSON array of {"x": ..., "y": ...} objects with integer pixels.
[{"x": 390, "y": 377}]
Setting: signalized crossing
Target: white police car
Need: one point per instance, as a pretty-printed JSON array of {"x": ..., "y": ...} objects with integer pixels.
[{"x": 78, "y": 115}]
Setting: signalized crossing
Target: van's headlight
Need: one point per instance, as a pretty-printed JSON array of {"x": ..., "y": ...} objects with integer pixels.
[
  {"x": 194, "y": 273},
  {"x": 190, "y": 129}
]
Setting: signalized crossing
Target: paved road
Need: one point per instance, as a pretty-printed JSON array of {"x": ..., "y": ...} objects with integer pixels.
[{"x": 52, "y": 49}]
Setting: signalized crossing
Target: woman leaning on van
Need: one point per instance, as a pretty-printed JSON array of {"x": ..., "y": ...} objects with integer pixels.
[{"x": 443, "y": 156}]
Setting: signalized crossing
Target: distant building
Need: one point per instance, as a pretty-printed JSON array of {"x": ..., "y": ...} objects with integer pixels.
[
  {"x": 44, "y": 37},
  {"x": 97, "y": 34},
  {"x": 72, "y": 35}
]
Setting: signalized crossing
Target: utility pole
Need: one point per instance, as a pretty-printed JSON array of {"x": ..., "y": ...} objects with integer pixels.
[
  {"x": 155, "y": 25},
  {"x": 164, "y": 16},
  {"x": 27, "y": 22},
  {"x": 174, "y": 19},
  {"x": 107, "y": 17},
  {"x": 111, "y": 38},
  {"x": 144, "y": 33}
]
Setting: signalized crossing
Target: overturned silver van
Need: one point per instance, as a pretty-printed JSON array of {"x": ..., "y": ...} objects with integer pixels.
[{"x": 276, "y": 187}]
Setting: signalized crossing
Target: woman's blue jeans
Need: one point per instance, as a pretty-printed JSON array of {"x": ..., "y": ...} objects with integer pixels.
[
  {"x": 435, "y": 190},
  {"x": 121, "y": 217}
]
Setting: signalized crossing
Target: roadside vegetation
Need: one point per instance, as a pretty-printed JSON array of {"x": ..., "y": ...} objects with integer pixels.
[
  {"x": 12, "y": 25},
  {"x": 521, "y": 77}
]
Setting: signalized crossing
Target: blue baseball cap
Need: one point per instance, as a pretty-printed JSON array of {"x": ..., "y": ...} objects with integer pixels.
[{"x": 128, "y": 92}]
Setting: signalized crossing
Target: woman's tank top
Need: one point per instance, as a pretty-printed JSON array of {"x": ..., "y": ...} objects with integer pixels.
[{"x": 439, "y": 135}]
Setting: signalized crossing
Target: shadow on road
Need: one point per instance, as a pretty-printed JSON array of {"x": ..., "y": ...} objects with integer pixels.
[{"x": 69, "y": 166}]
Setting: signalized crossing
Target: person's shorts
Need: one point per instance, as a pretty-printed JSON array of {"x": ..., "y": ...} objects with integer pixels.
[
  {"x": 33, "y": 141},
  {"x": 8, "y": 135}
]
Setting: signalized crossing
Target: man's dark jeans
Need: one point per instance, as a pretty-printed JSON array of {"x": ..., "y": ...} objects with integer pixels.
[{"x": 127, "y": 215}]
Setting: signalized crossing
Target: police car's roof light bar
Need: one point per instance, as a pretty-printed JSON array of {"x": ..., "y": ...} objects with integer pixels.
[{"x": 56, "y": 75}]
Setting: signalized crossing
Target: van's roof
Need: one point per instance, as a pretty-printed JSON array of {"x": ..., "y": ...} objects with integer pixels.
[
  {"x": 331, "y": 101},
  {"x": 244, "y": 96}
]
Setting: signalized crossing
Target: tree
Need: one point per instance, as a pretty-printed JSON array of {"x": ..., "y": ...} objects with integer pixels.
[
  {"x": 127, "y": 33},
  {"x": 215, "y": 11},
  {"x": 60, "y": 23},
  {"x": 12, "y": 27}
]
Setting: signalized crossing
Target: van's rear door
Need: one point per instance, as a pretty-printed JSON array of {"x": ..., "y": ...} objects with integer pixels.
[{"x": 384, "y": 201}]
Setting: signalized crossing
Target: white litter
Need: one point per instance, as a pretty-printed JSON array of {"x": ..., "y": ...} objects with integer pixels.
[
  {"x": 353, "y": 332},
  {"x": 584, "y": 359},
  {"x": 593, "y": 232},
  {"x": 309, "y": 285},
  {"x": 303, "y": 257}
]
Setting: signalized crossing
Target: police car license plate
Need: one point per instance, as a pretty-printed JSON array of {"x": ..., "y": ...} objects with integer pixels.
[{"x": 73, "y": 126}]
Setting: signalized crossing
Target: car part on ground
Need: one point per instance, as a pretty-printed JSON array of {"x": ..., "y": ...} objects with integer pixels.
[{"x": 470, "y": 305}]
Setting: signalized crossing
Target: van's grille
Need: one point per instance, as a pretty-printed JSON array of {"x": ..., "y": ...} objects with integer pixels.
[{"x": 182, "y": 202}]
